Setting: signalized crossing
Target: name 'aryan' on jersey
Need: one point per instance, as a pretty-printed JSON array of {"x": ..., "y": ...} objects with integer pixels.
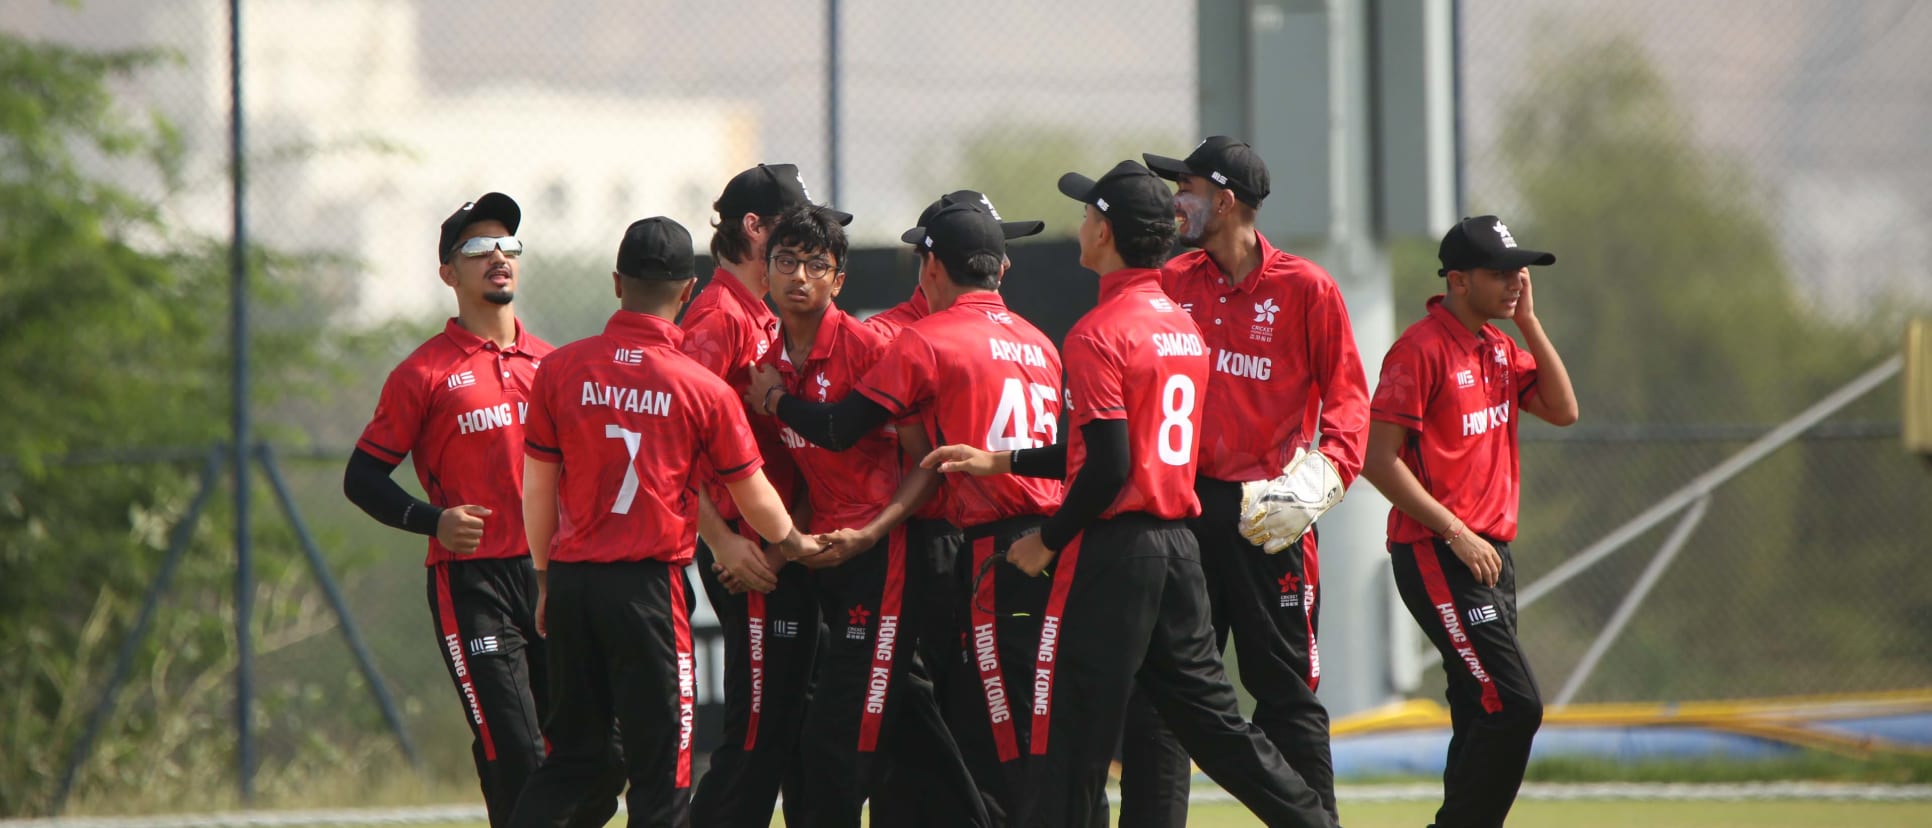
[{"x": 636, "y": 401}]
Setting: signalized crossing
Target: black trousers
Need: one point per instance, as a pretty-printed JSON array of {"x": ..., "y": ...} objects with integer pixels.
[
  {"x": 989, "y": 699},
  {"x": 1494, "y": 705},
  {"x": 1271, "y": 606},
  {"x": 873, "y": 708},
  {"x": 620, "y": 639},
  {"x": 771, "y": 642},
  {"x": 484, "y": 612},
  {"x": 1129, "y": 605}
]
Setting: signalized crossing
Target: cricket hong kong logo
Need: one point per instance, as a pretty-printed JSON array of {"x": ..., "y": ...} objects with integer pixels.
[
  {"x": 824, "y": 386},
  {"x": 856, "y": 619},
  {"x": 1263, "y": 329},
  {"x": 1290, "y": 589},
  {"x": 1502, "y": 233},
  {"x": 986, "y": 654},
  {"x": 875, "y": 691}
]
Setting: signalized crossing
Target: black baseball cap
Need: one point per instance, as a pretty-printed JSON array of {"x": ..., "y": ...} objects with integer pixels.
[
  {"x": 490, "y": 206},
  {"x": 1132, "y": 197},
  {"x": 1222, "y": 160},
  {"x": 958, "y": 232},
  {"x": 656, "y": 249},
  {"x": 767, "y": 190},
  {"x": 1484, "y": 241},
  {"x": 973, "y": 198}
]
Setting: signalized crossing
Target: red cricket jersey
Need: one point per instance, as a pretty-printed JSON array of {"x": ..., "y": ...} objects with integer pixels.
[
  {"x": 977, "y": 373},
  {"x": 631, "y": 420},
  {"x": 458, "y": 404},
  {"x": 888, "y": 323},
  {"x": 1458, "y": 393},
  {"x": 1282, "y": 364},
  {"x": 846, "y": 488},
  {"x": 1137, "y": 356},
  {"x": 726, "y": 330}
]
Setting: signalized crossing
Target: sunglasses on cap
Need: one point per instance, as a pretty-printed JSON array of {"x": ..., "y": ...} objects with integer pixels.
[{"x": 482, "y": 245}]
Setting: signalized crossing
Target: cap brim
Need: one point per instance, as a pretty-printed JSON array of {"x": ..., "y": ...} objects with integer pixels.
[
  {"x": 1169, "y": 168},
  {"x": 1521, "y": 257},
  {"x": 915, "y": 237},
  {"x": 497, "y": 207},
  {"x": 1077, "y": 187},
  {"x": 1021, "y": 229},
  {"x": 843, "y": 217}
]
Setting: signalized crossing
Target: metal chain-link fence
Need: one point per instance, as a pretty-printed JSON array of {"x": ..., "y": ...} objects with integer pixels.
[{"x": 1739, "y": 194}]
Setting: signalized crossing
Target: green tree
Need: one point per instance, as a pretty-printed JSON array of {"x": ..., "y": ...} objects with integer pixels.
[
  {"x": 113, "y": 337},
  {"x": 1019, "y": 166}
]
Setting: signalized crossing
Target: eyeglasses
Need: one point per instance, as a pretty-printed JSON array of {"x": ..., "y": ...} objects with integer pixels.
[
  {"x": 482, "y": 245},
  {"x": 788, "y": 264}
]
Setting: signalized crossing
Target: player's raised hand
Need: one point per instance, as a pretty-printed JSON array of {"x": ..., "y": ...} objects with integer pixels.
[
  {"x": 460, "y": 529},
  {"x": 959, "y": 457},
  {"x": 1030, "y": 554},
  {"x": 1525, "y": 309},
  {"x": 763, "y": 379}
]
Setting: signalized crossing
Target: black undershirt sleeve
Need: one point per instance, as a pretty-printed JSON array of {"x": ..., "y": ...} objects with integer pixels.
[
  {"x": 1102, "y": 476},
  {"x": 837, "y": 426},
  {"x": 1049, "y": 462},
  {"x": 369, "y": 485}
]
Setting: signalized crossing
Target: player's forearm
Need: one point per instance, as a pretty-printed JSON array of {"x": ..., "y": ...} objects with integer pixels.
[
  {"x": 711, "y": 525},
  {"x": 762, "y": 507},
  {"x": 1558, "y": 398},
  {"x": 1344, "y": 390},
  {"x": 1102, "y": 476},
  {"x": 367, "y": 482},
  {"x": 837, "y": 426},
  {"x": 1384, "y": 470},
  {"x": 1049, "y": 462},
  {"x": 539, "y": 509},
  {"x": 914, "y": 490}
]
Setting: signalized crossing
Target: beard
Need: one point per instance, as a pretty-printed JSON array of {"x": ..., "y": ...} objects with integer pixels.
[
  {"x": 499, "y": 297},
  {"x": 1195, "y": 210}
]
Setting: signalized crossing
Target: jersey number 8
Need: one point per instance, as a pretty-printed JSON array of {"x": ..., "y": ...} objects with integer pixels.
[{"x": 1176, "y": 441}]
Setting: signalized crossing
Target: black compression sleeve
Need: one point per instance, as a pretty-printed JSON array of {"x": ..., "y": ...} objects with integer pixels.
[
  {"x": 1049, "y": 462},
  {"x": 368, "y": 484},
  {"x": 836, "y": 426},
  {"x": 1102, "y": 476}
]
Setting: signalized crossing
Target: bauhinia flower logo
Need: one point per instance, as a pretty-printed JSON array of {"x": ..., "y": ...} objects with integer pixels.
[
  {"x": 824, "y": 386},
  {"x": 1264, "y": 311}
]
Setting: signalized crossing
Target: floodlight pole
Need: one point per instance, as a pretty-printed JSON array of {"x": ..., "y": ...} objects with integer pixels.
[{"x": 238, "y": 346}]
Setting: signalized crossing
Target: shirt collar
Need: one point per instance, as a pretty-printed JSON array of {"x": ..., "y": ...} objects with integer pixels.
[
  {"x": 634, "y": 328},
  {"x": 1128, "y": 278},
  {"x": 991, "y": 298},
  {"x": 1457, "y": 331},
  {"x": 738, "y": 290},
  {"x": 471, "y": 343},
  {"x": 828, "y": 330}
]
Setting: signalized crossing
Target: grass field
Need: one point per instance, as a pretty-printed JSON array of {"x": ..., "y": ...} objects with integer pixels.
[{"x": 1782, "y": 814}]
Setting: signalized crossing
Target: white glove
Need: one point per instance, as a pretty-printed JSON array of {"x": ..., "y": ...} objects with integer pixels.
[{"x": 1276, "y": 513}]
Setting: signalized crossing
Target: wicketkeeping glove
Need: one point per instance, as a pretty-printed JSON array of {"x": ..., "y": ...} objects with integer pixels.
[{"x": 1275, "y": 513}]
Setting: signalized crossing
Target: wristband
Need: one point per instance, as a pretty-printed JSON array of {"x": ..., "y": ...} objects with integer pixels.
[{"x": 1455, "y": 530}]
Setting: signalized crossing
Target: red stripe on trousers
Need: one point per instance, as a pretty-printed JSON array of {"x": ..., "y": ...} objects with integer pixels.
[
  {"x": 755, "y": 641},
  {"x": 986, "y": 653},
  {"x": 1451, "y": 618},
  {"x": 687, "y": 673},
  {"x": 1311, "y": 570},
  {"x": 453, "y": 644},
  {"x": 1044, "y": 662},
  {"x": 884, "y": 641}
]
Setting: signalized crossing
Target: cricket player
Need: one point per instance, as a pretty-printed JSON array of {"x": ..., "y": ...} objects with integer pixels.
[
  {"x": 457, "y": 404},
  {"x": 871, "y": 709},
  {"x": 619, "y": 425},
  {"x": 973, "y": 370},
  {"x": 1286, "y": 417},
  {"x": 1129, "y": 604},
  {"x": 771, "y": 633},
  {"x": 1442, "y": 448}
]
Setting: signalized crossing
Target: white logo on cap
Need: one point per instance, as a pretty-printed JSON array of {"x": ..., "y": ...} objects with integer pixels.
[
  {"x": 1503, "y": 231},
  {"x": 1101, "y": 203},
  {"x": 469, "y": 205},
  {"x": 1219, "y": 178},
  {"x": 929, "y": 242},
  {"x": 989, "y": 208},
  {"x": 801, "y": 185}
]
